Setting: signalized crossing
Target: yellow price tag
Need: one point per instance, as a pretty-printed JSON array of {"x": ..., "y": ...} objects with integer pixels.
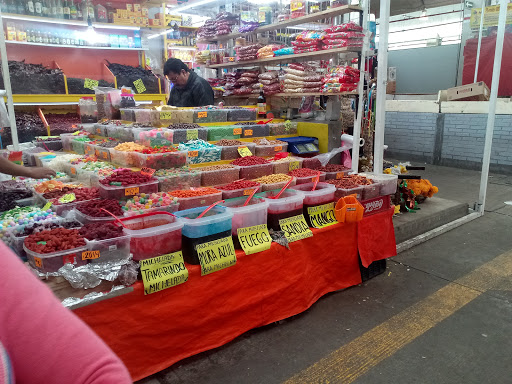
[
  {"x": 75, "y": 133},
  {"x": 90, "y": 84},
  {"x": 67, "y": 198},
  {"x": 216, "y": 255},
  {"x": 295, "y": 228},
  {"x": 237, "y": 131},
  {"x": 165, "y": 115},
  {"x": 202, "y": 115},
  {"x": 139, "y": 86},
  {"x": 248, "y": 132},
  {"x": 90, "y": 255},
  {"x": 193, "y": 153},
  {"x": 131, "y": 191},
  {"x": 293, "y": 165},
  {"x": 254, "y": 239},
  {"x": 47, "y": 206},
  {"x": 278, "y": 148},
  {"x": 38, "y": 262},
  {"x": 192, "y": 134},
  {"x": 244, "y": 151},
  {"x": 340, "y": 175},
  {"x": 162, "y": 272},
  {"x": 147, "y": 171},
  {"x": 322, "y": 215}
]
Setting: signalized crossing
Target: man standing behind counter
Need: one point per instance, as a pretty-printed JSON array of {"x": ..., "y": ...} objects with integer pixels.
[{"x": 189, "y": 89}]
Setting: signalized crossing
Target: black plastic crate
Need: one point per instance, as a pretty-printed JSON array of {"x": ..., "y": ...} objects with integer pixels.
[{"x": 374, "y": 269}]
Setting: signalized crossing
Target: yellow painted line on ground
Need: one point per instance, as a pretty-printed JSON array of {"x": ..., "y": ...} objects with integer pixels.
[{"x": 354, "y": 359}]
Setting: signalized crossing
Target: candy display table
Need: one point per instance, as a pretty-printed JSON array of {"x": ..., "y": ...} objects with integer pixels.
[{"x": 150, "y": 333}]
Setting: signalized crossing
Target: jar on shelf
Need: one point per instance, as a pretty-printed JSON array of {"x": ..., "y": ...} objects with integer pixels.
[{"x": 88, "y": 110}]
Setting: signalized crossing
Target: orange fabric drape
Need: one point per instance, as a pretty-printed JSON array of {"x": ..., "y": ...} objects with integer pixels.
[{"x": 376, "y": 237}]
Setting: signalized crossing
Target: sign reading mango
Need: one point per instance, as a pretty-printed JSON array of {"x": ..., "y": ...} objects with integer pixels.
[
  {"x": 322, "y": 216},
  {"x": 162, "y": 272},
  {"x": 216, "y": 255}
]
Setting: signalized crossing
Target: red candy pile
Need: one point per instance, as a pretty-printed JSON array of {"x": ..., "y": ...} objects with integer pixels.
[
  {"x": 152, "y": 150},
  {"x": 126, "y": 177},
  {"x": 344, "y": 183},
  {"x": 303, "y": 172},
  {"x": 58, "y": 193},
  {"x": 58, "y": 239},
  {"x": 332, "y": 168},
  {"x": 93, "y": 208},
  {"x": 239, "y": 184},
  {"x": 81, "y": 194},
  {"x": 100, "y": 231},
  {"x": 249, "y": 160}
]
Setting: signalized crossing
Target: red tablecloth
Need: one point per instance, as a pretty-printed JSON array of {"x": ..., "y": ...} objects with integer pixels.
[
  {"x": 150, "y": 333},
  {"x": 376, "y": 237}
]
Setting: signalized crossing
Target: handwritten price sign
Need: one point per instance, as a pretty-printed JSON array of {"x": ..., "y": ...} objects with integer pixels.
[
  {"x": 237, "y": 131},
  {"x": 248, "y": 132},
  {"x": 38, "y": 262},
  {"x": 147, "y": 171},
  {"x": 165, "y": 115},
  {"x": 90, "y": 255},
  {"x": 193, "y": 153},
  {"x": 90, "y": 84},
  {"x": 131, "y": 191},
  {"x": 295, "y": 228},
  {"x": 139, "y": 86},
  {"x": 244, "y": 151},
  {"x": 202, "y": 115}
]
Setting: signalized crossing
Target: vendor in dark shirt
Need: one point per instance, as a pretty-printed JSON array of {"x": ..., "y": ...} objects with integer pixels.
[{"x": 189, "y": 89}]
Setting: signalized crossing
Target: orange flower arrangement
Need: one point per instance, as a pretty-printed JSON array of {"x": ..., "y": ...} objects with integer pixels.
[{"x": 422, "y": 187}]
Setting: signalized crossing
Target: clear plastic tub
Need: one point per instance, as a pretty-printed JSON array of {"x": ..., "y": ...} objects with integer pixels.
[
  {"x": 336, "y": 175},
  {"x": 340, "y": 192},
  {"x": 229, "y": 132},
  {"x": 185, "y": 116},
  {"x": 215, "y": 224},
  {"x": 61, "y": 209},
  {"x": 123, "y": 158},
  {"x": 66, "y": 140},
  {"x": 323, "y": 194},
  {"x": 284, "y": 166},
  {"x": 114, "y": 249},
  {"x": 102, "y": 153},
  {"x": 310, "y": 179},
  {"x": 279, "y": 185},
  {"x": 254, "y": 213},
  {"x": 289, "y": 204},
  {"x": 127, "y": 114},
  {"x": 204, "y": 155},
  {"x": 388, "y": 182},
  {"x": 123, "y": 192},
  {"x": 199, "y": 201},
  {"x": 168, "y": 208},
  {"x": 51, "y": 145},
  {"x": 100, "y": 129},
  {"x": 153, "y": 137},
  {"x": 86, "y": 219},
  {"x": 371, "y": 191},
  {"x": 242, "y": 114},
  {"x": 256, "y": 130},
  {"x": 210, "y": 115},
  {"x": 230, "y": 152},
  {"x": 143, "y": 116},
  {"x": 254, "y": 171},
  {"x": 183, "y": 135},
  {"x": 233, "y": 193},
  {"x": 153, "y": 234},
  {"x": 120, "y": 132},
  {"x": 89, "y": 149},
  {"x": 88, "y": 127},
  {"x": 179, "y": 181},
  {"x": 160, "y": 160},
  {"x": 270, "y": 150},
  {"x": 51, "y": 262},
  {"x": 78, "y": 146},
  {"x": 219, "y": 176}
]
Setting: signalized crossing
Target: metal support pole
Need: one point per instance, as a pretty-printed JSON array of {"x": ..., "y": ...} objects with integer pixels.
[
  {"x": 7, "y": 85},
  {"x": 479, "y": 41},
  {"x": 360, "y": 87},
  {"x": 382, "y": 79},
  {"x": 496, "y": 71}
]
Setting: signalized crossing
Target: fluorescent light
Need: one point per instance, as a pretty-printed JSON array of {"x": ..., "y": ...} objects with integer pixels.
[
  {"x": 177, "y": 47},
  {"x": 51, "y": 21},
  {"x": 114, "y": 26},
  {"x": 158, "y": 34},
  {"x": 192, "y": 5}
]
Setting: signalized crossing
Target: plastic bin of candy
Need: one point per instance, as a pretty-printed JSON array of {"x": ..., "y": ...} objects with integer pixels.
[
  {"x": 341, "y": 192},
  {"x": 61, "y": 208},
  {"x": 49, "y": 145},
  {"x": 371, "y": 191},
  {"x": 323, "y": 194},
  {"x": 256, "y": 130},
  {"x": 160, "y": 160},
  {"x": 123, "y": 158},
  {"x": 219, "y": 176},
  {"x": 289, "y": 204},
  {"x": 254, "y": 213},
  {"x": 127, "y": 114},
  {"x": 66, "y": 140},
  {"x": 204, "y": 155},
  {"x": 287, "y": 164},
  {"x": 279, "y": 185},
  {"x": 153, "y": 234},
  {"x": 156, "y": 137},
  {"x": 311, "y": 163},
  {"x": 228, "y": 132},
  {"x": 210, "y": 115},
  {"x": 143, "y": 116},
  {"x": 187, "y": 180},
  {"x": 100, "y": 129},
  {"x": 51, "y": 262},
  {"x": 215, "y": 224},
  {"x": 88, "y": 127},
  {"x": 78, "y": 146},
  {"x": 199, "y": 201},
  {"x": 310, "y": 179},
  {"x": 250, "y": 172},
  {"x": 230, "y": 152},
  {"x": 336, "y": 175},
  {"x": 120, "y": 132},
  {"x": 114, "y": 249},
  {"x": 126, "y": 191},
  {"x": 184, "y": 135},
  {"x": 241, "y": 114},
  {"x": 233, "y": 193},
  {"x": 89, "y": 149},
  {"x": 286, "y": 128},
  {"x": 102, "y": 153},
  {"x": 168, "y": 208},
  {"x": 270, "y": 150},
  {"x": 86, "y": 219},
  {"x": 388, "y": 182},
  {"x": 185, "y": 116}
]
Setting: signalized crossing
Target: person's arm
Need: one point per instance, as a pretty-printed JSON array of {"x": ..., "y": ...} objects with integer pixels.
[
  {"x": 9, "y": 168},
  {"x": 46, "y": 342},
  {"x": 203, "y": 95}
]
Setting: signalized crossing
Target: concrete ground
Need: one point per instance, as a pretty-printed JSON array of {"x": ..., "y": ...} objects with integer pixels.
[{"x": 439, "y": 314}]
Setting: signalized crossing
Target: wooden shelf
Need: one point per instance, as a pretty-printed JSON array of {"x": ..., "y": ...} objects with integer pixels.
[
  {"x": 332, "y": 12},
  {"x": 286, "y": 58}
]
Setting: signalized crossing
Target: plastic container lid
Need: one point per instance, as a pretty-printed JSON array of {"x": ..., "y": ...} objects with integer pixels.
[
  {"x": 216, "y": 220},
  {"x": 172, "y": 224},
  {"x": 288, "y": 199}
]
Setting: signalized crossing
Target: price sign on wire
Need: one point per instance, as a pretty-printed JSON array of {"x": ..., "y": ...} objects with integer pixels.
[
  {"x": 254, "y": 239},
  {"x": 90, "y": 84},
  {"x": 193, "y": 153},
  {"x": 248, "y": 132},
  {"x": 216, "y": 255},
  {"x": 295, "y": 228},
  {"x": 322, "y": 216},
  {"x": 139, "y": 86},
  {"x": 244, "y": 151},
  {"x": 131, "y": 191},
  {"x": 237, "y": 131},
  {"x": 165, "y": 115},
  {"x": 202, "y": 115},
  {"x": 192, "y": 134},
  {"x": 147, "y": 171},
  {"x": 293, "y": 165},
  {"x": 67, "y": 198},
  {"x": 162, "y": 272},
  {"x": 90, "y": 255}
]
